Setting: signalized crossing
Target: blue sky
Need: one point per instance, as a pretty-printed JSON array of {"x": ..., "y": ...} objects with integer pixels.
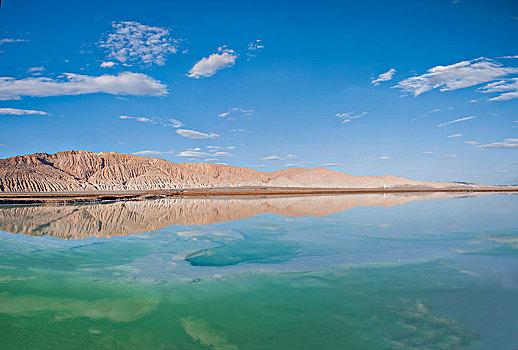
[{"x": 422, "y": 89}]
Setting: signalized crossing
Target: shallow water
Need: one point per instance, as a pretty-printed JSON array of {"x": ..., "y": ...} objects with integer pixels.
[{"x": 333, "y": 272}]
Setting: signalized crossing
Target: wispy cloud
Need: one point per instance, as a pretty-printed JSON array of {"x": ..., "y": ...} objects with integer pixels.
[
  {"x": 449, "y": 156},
  {"x": 196, "y": 153},
  {"x": 216, "y": 148},
  {"x": 507, "y": 143},
  {"x": 195, "y": 134},
  {"x": 272, "y": 158},
  {"x": 429, "y": 113},
  {"x": 457, "y": 76},
  {"x": 471, "y": 142},
  {"x": 164, "y": 122},
  {"x": 222, "y": 154},
  {"x": 125, "y": 83},
  {"x": 384, "y": 77},
  {"x": 208, "y": 66},
  {"x": 509, "y": 85},
  {"x": 14, "y": 111},
  {"x": 299, "y": 164},
  {"x": 383, "y": 157},
  {"x": 36, "y": 69},
  {"x": 329, "y": 165},
  {"x": 140, "y": 43},
  {"x": 11, "y": 40},
  {"x": 139, "y": 119},
  {"x": 229, "y": 113},
  {"x": 454, "y": 135},
  {"x": 455, "y": 121},
  {"x": 174, "y": 123},
  {"x": 348, "y": 117},
  {"x": 254, "y": 47},
  {"x": 153, "y": 153},
  {"x": 428, "y": 152}
]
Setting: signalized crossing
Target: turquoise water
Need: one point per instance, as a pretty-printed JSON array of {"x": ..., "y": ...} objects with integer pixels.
[{"x": 427, "y": 274}]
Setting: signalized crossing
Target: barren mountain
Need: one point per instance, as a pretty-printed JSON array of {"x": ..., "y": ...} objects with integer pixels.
[{"x": 109, "y": 171}]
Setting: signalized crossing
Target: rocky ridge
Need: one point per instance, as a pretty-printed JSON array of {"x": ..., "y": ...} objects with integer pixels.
[{"x": 72, "y": 171}]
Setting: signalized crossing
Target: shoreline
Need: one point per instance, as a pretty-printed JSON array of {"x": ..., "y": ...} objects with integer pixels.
[{"x": 100, "y": 196}]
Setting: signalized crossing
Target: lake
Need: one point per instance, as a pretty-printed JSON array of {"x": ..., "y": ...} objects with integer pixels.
[{"x": 374, "y": 271}]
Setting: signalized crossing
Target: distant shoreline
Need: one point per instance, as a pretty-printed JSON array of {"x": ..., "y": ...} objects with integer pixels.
[{"x": 99, "y": 196}]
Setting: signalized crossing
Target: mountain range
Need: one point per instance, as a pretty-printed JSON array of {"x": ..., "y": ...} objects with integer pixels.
[{"x": 72, "y": 171}]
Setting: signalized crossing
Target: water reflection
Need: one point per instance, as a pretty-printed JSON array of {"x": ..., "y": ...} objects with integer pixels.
[
  {"x": 438, "y": 274},
  {"x": 129, "y": 217}
]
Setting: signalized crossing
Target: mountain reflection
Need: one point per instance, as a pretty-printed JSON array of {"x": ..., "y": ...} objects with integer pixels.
[{"x": 128, "y": 217}]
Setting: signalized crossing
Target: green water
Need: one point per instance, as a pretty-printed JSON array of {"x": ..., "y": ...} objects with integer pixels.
[{"x": 436, "y": 274}]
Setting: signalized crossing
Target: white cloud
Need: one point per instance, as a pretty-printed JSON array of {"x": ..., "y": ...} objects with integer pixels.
[
  {"x": 509, "y": 85},
  {"x": 237, "y": 130},
  {"x": 384, "y": 77},
  {"x": 174, "y": 123},
  {"x": 195, "y": 153},
  {"x": 427, "y": 114},
  {"x": 11, "y": 40},
  {"x": 108, "y": 64},
  {"x": 456, "y": 76},
  {"x": 136, "y": 42},
  {"x": 455, "y": 121},
  {"x": 507, "y": 143},
  {"x": 153, "y": 153},
  {"x": 449, "y": 156},
  {"x": 331, "y": 164},
  {"x": 254, "y": 47},
  {"x": 14, "y": 111},
  {"x": 348, "y": 117},
  {"x": 139, "y": 119},
  {"x": 471, "y": 142},
  {"x": 215, "y": 148},
  {"x": 208, "y": 66},
  {"x": 454, "y": 135},
  {"x": 125, "y": 83},
  {"x": 291, "y": 156},
  {"x": 165, "y": 123},
  {"x": 383, "y": 157},
  {"x": 428, "y": 152},
  {"x": 272, "y": 158},
  {"x": 35, "y": 69},
  {"x": 515, "y": 56},
  {"x": 222, "y": 154},
  {"x": 299, "y": 165},
  {"x": 235, "y": 110},
  {"x": 195, "y": 134}
]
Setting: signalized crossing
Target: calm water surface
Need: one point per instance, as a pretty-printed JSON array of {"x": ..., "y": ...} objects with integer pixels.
[{"x": 333, "y": 272}]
